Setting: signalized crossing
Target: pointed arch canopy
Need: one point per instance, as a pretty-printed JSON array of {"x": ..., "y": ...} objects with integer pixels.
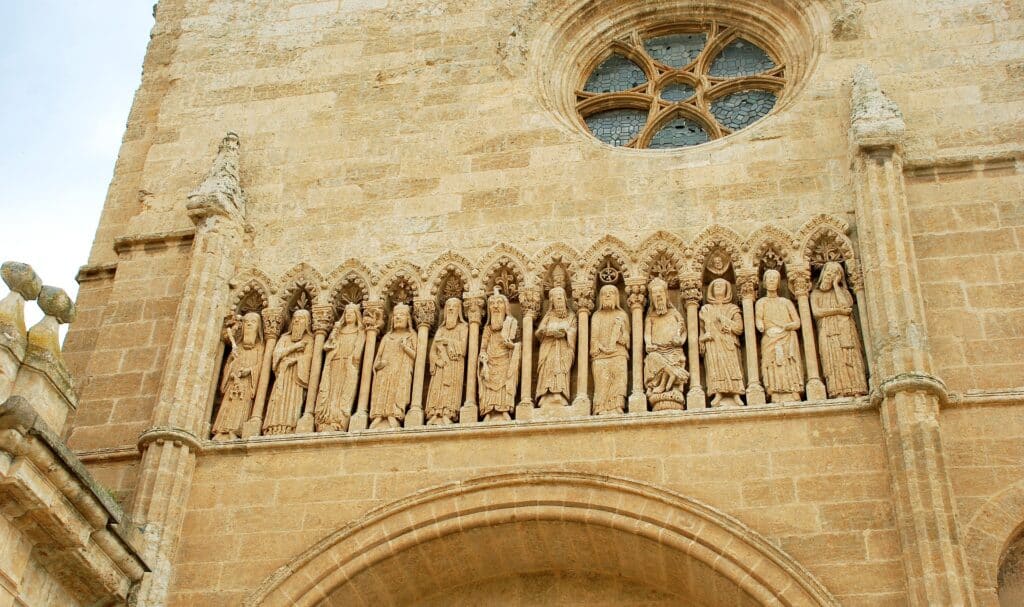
[{"x": 509, "y": 525}]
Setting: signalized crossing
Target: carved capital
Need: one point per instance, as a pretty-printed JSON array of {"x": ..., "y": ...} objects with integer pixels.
[
  {"x": 799, "y": 279},
  {"x": 373, "y": 315},
  {"x": 583, "y": 296},
  {"x": 746, "y": 281},
  {"x": 689, "y": 288},
  {"x": 530, "y": 300},
  {"x": 636, "y": 294},
  {"x": 474, "y": 307},
  {"x": 273, "y": 320},
  {"x": 425, "y": 311},
  {"x": 323, "y": 318}
]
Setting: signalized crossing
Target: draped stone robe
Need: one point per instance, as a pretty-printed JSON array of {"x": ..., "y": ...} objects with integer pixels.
[
  {"x": 340, "y": 378},
  {"x": 781, "y": 367},
  {"x": 557, "y": 354},
  {"x": 392, "y": 385},
  {"x": 238, "y": 386},
  {"x": 842, "y": 362},
  {"x": 447, "y": 371},
  {"x": 499, "y": 368},
  {"x": 609, "y": 353},
  {"x": 291, "y": 363},
  {"x": 721, "y": 326}
]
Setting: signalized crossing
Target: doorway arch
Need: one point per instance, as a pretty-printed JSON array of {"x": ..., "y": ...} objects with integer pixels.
[{"x": 556, "y": 525}]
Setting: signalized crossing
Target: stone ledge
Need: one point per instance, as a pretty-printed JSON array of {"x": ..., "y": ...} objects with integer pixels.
[
  {"x": 319, "y": 439},
  {"x": 105, "y": 271},
  {"x": 154, "y": 241},
  {"x": 80, "y": 535}
]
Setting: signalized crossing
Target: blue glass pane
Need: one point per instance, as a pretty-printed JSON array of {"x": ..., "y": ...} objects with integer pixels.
[
  {"x": 677, "y": 50},
  {"x": 740, "y": 58},
  {"x": 615, "y": 74},
  {"x": 617, "y": 127},
  {"x": 741, "y": 109},
  {"x": 677, "y": 91},
  {"x": 679, "y": 133}
]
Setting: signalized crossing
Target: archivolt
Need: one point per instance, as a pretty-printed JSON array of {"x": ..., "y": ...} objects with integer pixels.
[
  {"x": 352, "y": 564},
  {"x": 988, "y": 535}
]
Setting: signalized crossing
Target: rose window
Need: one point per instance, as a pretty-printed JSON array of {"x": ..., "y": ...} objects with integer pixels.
[{"x": 677, "y": 88}]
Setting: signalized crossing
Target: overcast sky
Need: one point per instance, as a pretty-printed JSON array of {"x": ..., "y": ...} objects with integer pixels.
[{"x": 68, "y": 73}]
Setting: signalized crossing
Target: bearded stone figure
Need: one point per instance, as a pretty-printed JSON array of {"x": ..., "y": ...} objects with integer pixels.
[
  {"x": 721, "y": 325},
  {"x": 392, "y": 371},
  {"x": 499, "y": 360},
  {"x": 842, "y": 362},
  {"x": 292, "y": 358},
  {"x": 340, "y": 378},
  {"x": 447, "y": 366},
  {"x": 240, "y": 378},
  {"x": 665, "y": 372},
  {"x": 776, "y": 318},
  {"x": 609, "y": 352},
  {"x": 557, "y": 334}
]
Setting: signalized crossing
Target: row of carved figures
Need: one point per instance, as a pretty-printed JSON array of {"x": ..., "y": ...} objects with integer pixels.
[{"x": 335, "y": 375}]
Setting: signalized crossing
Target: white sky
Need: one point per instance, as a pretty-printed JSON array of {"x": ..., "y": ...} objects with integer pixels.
[{"x": 68, "y": 74}]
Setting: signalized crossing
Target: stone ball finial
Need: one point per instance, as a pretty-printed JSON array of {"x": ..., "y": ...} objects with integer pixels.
[
  {"x": 21, "y": 278},
  {"x": 54, "y": 302}
]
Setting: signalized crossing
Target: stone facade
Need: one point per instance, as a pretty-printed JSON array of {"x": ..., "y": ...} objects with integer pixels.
[{"x": 391, "y": 155}]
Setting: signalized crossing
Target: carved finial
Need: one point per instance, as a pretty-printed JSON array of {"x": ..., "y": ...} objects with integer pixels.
[
  {"x": 25, "y": 285},
  {"x": 221, "y": 192},
  {"x": 876, "y": 119}
]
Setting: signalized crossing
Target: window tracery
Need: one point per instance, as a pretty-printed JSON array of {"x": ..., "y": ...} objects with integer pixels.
[{"x": 672, "y": 88}]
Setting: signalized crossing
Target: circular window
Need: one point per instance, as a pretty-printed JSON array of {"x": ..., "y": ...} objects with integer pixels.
[{"x": 681, "y": 86}]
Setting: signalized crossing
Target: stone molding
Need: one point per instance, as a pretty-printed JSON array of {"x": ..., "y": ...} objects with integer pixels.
[
  {"x": 84, "y": 535},
  {"x": 988, "y": 535},
  {"x": 152, "y": 241},
  {"x": 679, "y": 524}
]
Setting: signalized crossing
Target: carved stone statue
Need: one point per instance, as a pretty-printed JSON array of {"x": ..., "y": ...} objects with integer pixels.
[
  {"x": 665, "y": 373},
  {"x": 340, "y": 379},
  {"x": 499, "y": 360},
  {"x": 557, "y": 335},
  {"x": 721, "y": 325},
  {"x": 609, "y": 352},
  {"x": 392, "y": 371},
  {"x": 776, "y": 318},
  {"x": 842, "y": 363},
  {"x": 293, "y": 355},
  {"x": 447, "y": 365},
  {"x": 240, "y": 377}
]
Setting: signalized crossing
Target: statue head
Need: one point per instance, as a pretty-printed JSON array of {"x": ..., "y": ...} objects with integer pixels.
[
  {"x": 658, "y": 290},
  {"x": 453, "y": 313},
  {"x": 719, "y": 291},
  {"x": 772, "y": 278},
  {"x": 300, "y": 324},
  {"x": 498, "y": 308},
  {"x": 350, "y": 316},
  {"x": 608, "y": 297},
  {"x": 558, "y": 301},
  {"x": 400, "y": 319},
  {"x": 832, "y": 276},
  {"x": 252, "y": 329}
]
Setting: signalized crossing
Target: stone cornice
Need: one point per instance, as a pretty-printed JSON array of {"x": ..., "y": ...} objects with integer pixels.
[{"x": 154, "y": 240}]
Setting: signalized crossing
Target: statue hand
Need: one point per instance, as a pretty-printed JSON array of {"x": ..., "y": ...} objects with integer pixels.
[
  {"x": 649, "y": 348},
  {"x": 379, "y": 365}
]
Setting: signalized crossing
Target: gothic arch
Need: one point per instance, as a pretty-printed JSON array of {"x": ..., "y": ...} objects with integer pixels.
[
  {"x": 305, "y": 277},
  {"x": 988, "y": 535},
  {"x": 352, "y": 272},
  {"x": 588, "y": 264},
  {"x": 825, "y": 231},
  {"x": 717, "y": 237},
  {"x": 661, "y": 246},
  {"x": 554, "y": 253},
  {"x": 505, "y": 255},
  {"x": 542, "y": 521},
  {"x": 450, "y": 261},
  {"x": 400, "y": 271},
  {"x": 251, "y": 281},
  {"x": 768, "y": 239}
]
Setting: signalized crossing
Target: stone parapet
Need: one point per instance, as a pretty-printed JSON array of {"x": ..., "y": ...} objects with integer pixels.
[{"x": 69, "y": 525}]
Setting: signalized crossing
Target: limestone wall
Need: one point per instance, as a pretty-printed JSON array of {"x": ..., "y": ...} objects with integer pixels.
[{"x": 816, "y": 485}]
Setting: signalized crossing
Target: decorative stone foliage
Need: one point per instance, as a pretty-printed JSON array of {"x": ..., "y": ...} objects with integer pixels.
[{"x": 699, "y": 323}]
